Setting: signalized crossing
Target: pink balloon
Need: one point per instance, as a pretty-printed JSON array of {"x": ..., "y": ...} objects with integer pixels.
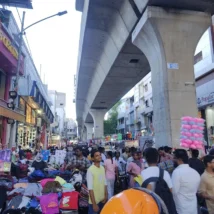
[
  {"x": 184, "y": 145},
  {"x": 195, "y": 120},
  {"x": 187, "y": 141},
  {"x": 194, "y": 126},
  {"x": 195, "y": 142},
  {"x": 193, "y": 146},
  {"x": 183, "y": 133},
  {"x": 188, "y": 134},
  {"x": 200, "y": 142},
  {"x": 200, "y": 120},
  {"x": 185, "y": 118},
  {"x": 200, "y": 135},
  {"x": 182, "y": 141},
  {"x": 196, "y": 135}
]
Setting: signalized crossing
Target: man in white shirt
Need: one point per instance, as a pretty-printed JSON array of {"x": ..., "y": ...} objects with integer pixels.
[
  {"x": 152, "y": 157},
  {"x": 120, "y": 162},
  {"x": 185, "y": 181}
]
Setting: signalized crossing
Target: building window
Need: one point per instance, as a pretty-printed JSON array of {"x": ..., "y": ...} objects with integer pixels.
[
  {"x": 198, "y": 57},
  {"x": 146, "y": 87}
]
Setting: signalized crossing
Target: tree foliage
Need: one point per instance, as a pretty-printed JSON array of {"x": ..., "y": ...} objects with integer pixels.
[{"x": 110, "y": 125}]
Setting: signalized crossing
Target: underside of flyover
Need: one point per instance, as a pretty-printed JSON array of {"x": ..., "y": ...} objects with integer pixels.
[{"x": 109, "y": 64}]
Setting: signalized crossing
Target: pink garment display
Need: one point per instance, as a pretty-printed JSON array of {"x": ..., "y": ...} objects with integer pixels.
[
  {"x": 110, "y": 169},
  {"x": 44, "y": 181},
  {"x": 49, "y": 203}
]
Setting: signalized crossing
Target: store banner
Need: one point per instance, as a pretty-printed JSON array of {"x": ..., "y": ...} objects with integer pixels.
[
  {"x": 132, "y": 143},
  {"x": 5, "y": 155},
  {"x": 206, "y": 99},
  {"x": 5, "y": 158}
]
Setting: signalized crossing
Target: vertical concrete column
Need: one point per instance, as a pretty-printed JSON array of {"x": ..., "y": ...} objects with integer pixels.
[
  {"x": 84, "y": 135},
  {"x": 79, "y": 130},
  {"x": 89, "y": 127},
  {"x": 98, "y": 117},
  {"x": 168, "y": 38}
]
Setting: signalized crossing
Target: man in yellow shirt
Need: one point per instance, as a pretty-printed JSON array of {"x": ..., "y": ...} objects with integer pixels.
[{"x": 97, "y": 186}]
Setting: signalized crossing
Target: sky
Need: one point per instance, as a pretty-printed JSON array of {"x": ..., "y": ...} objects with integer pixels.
[{"x": 54, "y": 45}]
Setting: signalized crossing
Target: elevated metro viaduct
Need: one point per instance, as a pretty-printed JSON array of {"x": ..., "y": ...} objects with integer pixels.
[{"x": 121, "y": 41}]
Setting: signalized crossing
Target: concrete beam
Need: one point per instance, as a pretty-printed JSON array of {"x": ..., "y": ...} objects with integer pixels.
[{"x": 169, "y": 39}]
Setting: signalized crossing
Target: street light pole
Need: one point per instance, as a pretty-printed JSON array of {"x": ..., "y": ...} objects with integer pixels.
[
  {"x": 19, "y": 52},
  {"x": 21, "y": 42}
]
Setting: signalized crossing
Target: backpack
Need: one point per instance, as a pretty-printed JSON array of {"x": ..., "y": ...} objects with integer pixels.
[{"x": 163, "y": 191}]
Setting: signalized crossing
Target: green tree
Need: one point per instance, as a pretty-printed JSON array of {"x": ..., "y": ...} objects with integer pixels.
[{"x": 110, "y": 125}]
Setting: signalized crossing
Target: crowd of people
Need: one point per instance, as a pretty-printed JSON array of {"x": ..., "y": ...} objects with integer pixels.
[
  {"x": 183, "y": 179},
  {"x": 188, "y": 179}
]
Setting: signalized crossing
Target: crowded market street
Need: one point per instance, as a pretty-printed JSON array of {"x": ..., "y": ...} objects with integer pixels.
[{"x": 106, "y": 107}]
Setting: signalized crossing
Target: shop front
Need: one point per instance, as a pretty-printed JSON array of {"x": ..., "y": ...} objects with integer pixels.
[
  {"x": 206, "y": 111},
  {"x": 34, "y": 133},
  {"x": 8, "y": 63},
  {"x": 27, "y": 131}
]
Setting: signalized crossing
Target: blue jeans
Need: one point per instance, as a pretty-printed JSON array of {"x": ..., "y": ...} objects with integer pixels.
[{"x": 91, "y": 211}]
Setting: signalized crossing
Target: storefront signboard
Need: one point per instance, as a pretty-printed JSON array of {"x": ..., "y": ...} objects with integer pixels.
[
  {"x": 8, "y": 45},
  {"x": 205, "y": 100},
  {"x": 9, "y": 53},
  {"x": 132, "y": 143}
]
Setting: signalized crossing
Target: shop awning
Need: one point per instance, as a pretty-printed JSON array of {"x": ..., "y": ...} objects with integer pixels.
[{"x": 6, "y": 112}]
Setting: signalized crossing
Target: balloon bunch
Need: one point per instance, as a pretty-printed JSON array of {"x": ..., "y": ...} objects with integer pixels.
[{"x": 192, "y": 130}]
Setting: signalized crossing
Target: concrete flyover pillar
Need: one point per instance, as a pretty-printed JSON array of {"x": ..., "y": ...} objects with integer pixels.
[
  {"x": 89, "y": 127},
  {"x": 79, "y": 129},
  {"x": 84, "y": 135},
  {"x": 168, "y": 38},
  {"x": 98, "y": 117}
]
